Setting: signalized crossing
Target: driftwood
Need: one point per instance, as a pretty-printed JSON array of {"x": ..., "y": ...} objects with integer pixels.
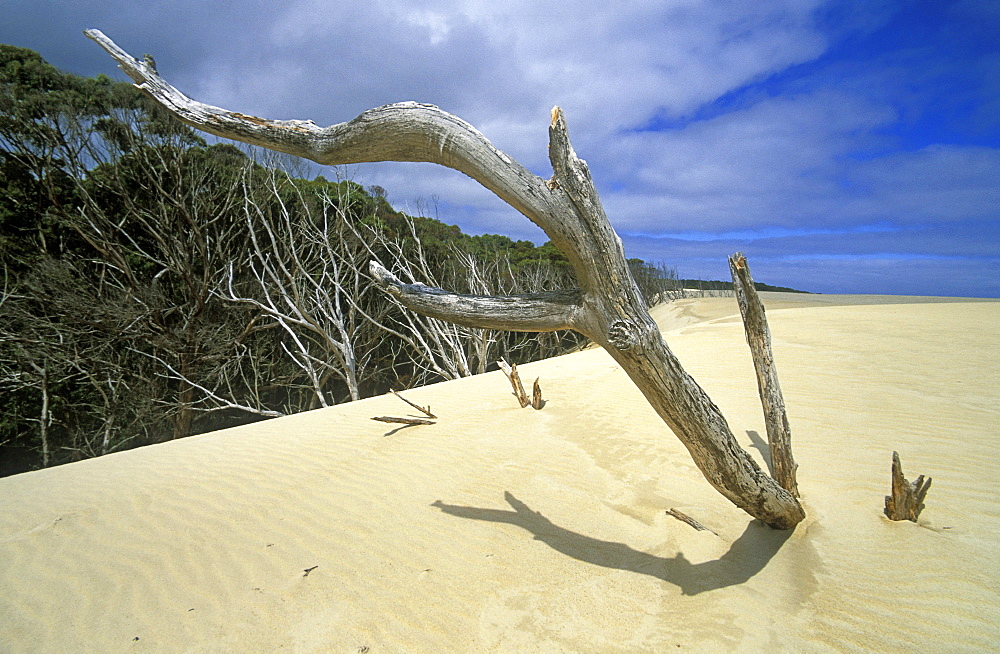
[
  {"x": 515, "y": 382},
  {"x": 683, "y": 517},
  {"x": 536, "y": 396},
  {"x": 404, "y": 421},
  {"x": 607, "y": 308},
  {"x": 409, "y": 421},
  {"x": 779, "y": 436},
  {"x": 424, "y": 410},
  {"x": 907, "y": 500},
  {"x": 514, "y": 377}
]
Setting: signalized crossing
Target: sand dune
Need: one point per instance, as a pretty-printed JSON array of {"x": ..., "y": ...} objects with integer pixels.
[{"x": 512, "y": 530}]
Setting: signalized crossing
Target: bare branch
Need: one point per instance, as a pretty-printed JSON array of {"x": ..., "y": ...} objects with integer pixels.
[
  {"x": 779, "y": 435},
  {"x": 683, "y": 517},
  {"x": 209, "y": 394},
  {"x": 609, "y": 308},
  {"x": 515, "y": 381},
  {"x": 537, "y": 312},
  {"x": 424, "y": 410},
  {"x": 406, "y": 131},
  {"x": 404, "y": 421}
]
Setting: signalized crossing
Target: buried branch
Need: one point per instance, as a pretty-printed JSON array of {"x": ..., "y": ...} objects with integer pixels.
[
  {"x": 426, "y": 410},
  {"x": 403, "y": 421},
  {"x": 410, "y": 421},
  {"x": 515, "y": 382},
  {"x": 608, "y": 307}
]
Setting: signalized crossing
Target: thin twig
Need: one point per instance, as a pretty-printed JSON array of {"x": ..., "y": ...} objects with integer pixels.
[
  {"x": 404, "y": 421},
  {"x": 683, "y": 517},
  {"x": 424, "y": 410}
]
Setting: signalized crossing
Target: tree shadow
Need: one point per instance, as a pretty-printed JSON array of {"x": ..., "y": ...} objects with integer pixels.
[
  {"x": 747, "y": 556},
  {"x": 759, "y": 444}
]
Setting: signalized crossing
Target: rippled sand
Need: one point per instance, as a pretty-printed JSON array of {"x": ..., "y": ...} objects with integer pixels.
[{"x": 514, "y": 530}]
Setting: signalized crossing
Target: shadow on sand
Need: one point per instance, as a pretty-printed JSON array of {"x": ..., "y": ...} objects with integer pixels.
[
  {"x": 761, "y": 446},
  {"x": 747, "y": 556}
]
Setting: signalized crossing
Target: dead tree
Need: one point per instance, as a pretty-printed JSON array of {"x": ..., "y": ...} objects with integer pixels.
[
  {"x": 779, "y": 436},
  {"x": 607, "y": 308}
]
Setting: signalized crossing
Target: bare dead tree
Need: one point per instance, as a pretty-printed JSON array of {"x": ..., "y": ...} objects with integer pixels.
[
  {"x": 306, "y": 263},
  {"x": 608, "y": 307},
  {"x": 53, "y": 343}
]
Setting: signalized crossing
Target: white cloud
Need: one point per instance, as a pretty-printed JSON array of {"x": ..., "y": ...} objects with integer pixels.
[
  {"x": 744, "y": 168},
  {"x": 768, "y": 128},
  {"x": 935, "y": 184}
]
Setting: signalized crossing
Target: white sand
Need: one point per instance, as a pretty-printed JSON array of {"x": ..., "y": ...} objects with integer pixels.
[{"x": 513, "y": 530}]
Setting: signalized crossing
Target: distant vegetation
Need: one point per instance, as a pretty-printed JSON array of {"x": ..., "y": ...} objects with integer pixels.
[{"x": 702, "y": 285}]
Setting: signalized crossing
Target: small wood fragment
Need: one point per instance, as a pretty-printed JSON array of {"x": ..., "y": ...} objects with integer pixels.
[
  {"x": 308, "y": 570},
  {"x": 907, "y": 500},
  {"x": 404, "y": 421},
  {"x": 536, "y": 396},
  {"x": 522, "y": 397},
  {"x": 683, "y": 517},
  {"x": 424, "y": 410},
  {"x": 515, "y": 381}
]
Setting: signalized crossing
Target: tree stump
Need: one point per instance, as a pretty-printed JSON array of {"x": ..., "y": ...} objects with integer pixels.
[{"x": 907, "y": 500}]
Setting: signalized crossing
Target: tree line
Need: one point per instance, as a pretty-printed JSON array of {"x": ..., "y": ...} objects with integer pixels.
[{"x": 154, "y": 286}]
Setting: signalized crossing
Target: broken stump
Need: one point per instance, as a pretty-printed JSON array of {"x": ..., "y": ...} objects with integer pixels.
[{"x": 907, "y": 500}]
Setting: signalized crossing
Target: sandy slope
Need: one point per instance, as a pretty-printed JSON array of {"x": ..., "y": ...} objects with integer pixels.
[{"x": 508, "y": 529}]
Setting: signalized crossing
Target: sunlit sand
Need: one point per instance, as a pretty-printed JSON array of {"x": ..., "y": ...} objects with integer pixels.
[{"x": 515, "y": 530}]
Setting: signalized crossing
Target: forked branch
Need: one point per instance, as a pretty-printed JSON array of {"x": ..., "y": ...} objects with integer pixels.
[{"x": 608, "y": 308}]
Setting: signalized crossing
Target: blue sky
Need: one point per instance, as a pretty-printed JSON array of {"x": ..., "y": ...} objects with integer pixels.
[{"x": 845, "y": 147}]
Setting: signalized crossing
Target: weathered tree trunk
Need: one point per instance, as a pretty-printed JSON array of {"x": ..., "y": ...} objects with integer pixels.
[
  {"x": 779, "y": 436},
  {"x": 608, "y": 308},
  {"x": 907, "y": 500}
]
